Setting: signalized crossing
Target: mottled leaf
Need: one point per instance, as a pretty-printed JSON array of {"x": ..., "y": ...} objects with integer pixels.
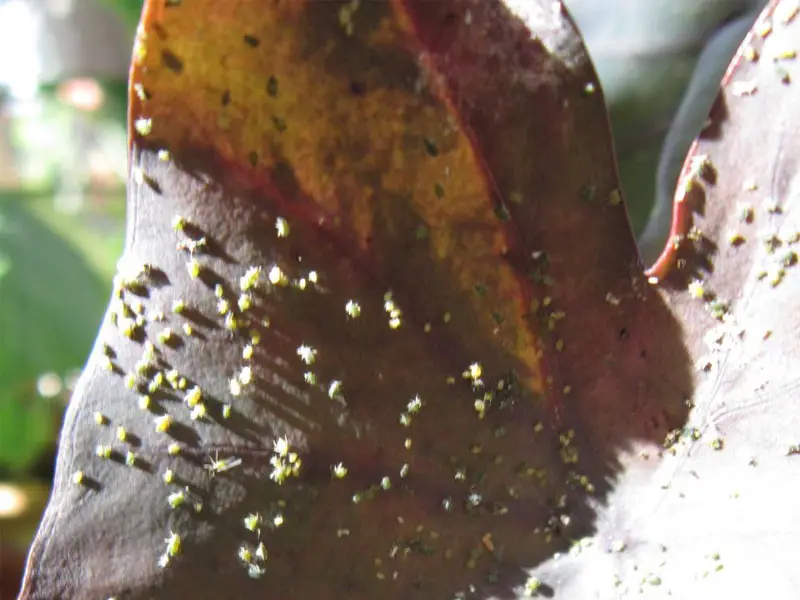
[{"x": 454, "y": 331}]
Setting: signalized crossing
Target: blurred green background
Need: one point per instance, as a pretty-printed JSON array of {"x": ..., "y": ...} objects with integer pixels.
[{"x": 63, "y": 68}]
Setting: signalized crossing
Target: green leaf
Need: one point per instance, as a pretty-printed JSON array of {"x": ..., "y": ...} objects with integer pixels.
[{"x": 50, "y": 306}]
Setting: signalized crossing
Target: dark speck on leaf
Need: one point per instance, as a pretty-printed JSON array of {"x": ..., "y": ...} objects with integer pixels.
[
  {"x": 438, "y": 189},
  {"x": 152, "y": 183},
  {"x": 252, "y": 41},
  {"x": 253, "y": 157},
  {"x": 279, "y": 124},
  {"x": 357, "y": 88},
  {"x": 272, "y": 86},
  {"x": 160, "y": 31},
  {"x": 226, "y": 97},
  {"x": 501, "y": 212},
  {"x": 430, "y": 147},
  {"x": 171, "y": 61},
  {"x": 450, "y": 17}
]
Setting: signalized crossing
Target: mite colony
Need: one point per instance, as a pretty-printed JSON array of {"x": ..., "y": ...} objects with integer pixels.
[{"x": 236, "y": 307}]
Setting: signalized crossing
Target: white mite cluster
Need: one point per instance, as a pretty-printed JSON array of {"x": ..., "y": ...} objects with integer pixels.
[
  {"x": 250, "y": 279},
  {"x": 285, "y": 463},
  {"x": 254, "y": 559},
  {"x": 394, "y": 312}
]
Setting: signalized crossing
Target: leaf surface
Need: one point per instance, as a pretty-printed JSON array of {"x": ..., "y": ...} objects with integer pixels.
[
  {"x": 449, "y": 303},
  {"x": 713, "y": 516}
]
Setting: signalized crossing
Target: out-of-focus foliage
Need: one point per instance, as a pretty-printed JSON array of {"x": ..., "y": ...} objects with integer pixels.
[
  {"x": 129, "y": 10},
  {"x": 61, "y": 219},
  {"x": 645, "y": 54},
  {"x": 50, "y": 306}
]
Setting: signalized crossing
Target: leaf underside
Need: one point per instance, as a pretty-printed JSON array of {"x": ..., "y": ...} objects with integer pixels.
[{"x": 430, "y": 194}]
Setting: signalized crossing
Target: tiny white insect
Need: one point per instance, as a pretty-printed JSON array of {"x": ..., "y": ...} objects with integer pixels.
[
  {"x": 199, "y": 412},
  {"x": 281, "y": 446},
  {"x": 143, "y": 126},
  {"x": 334, "y": 389},
  {"x": 282, "y": 227},
  {"x": 220, "y": 465},
  {"x": 252, "y": 521},
  {"x": 245, "y": 302},
  {"x": 173, "y": 544},
  {"x": 193, "y": 397},
  {"x": 307, "y": 354},
  {"x": 245, "y": 554},
  {"x": 353, "y": 309},
  {"x": 250, "y": 279},
  {"x": 696, "y": 289},
  {"x": 176, "y": 499},
  {"x": 163, "y": 423},
  {"x": 261, "y": 551},
  {"x": 474, "y": 371},
  {"x": 276, "y": 276},
  {"x": 414, "y": 405},
  {"x": 194, "y": 268}
]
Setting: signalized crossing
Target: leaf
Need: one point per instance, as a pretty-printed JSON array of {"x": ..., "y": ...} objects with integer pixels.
[
  {"x": 50, "y": 304},
  {"x": 430, "y": 193},
  {"x": 715, "y": 518},
  {"x": 660, "y": 63},
  {"x": 689, "y": 121}
]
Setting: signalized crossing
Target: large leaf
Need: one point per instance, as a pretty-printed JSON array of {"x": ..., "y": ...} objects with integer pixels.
[
  {"x": 713, "y": 517},
  {"x": 450, "y": 173}
]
